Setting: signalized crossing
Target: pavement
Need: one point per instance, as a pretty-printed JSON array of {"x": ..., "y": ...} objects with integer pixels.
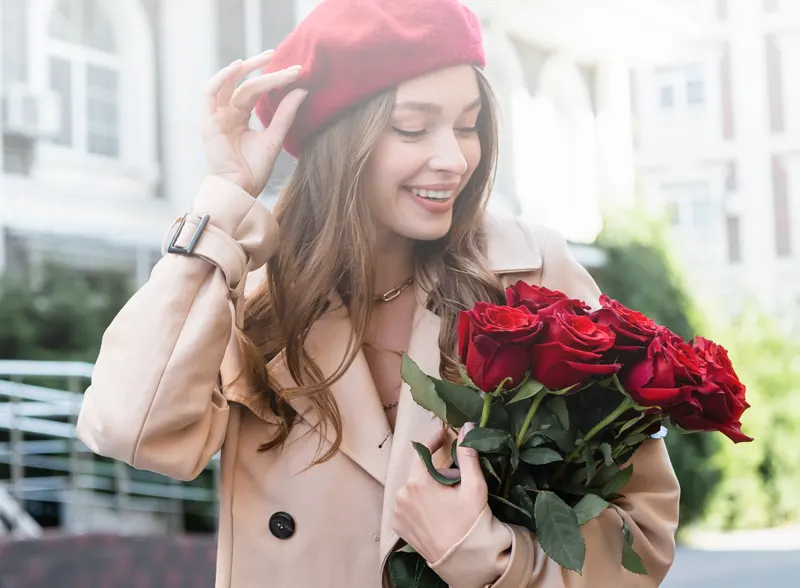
[{"x": 755, "y": 559}]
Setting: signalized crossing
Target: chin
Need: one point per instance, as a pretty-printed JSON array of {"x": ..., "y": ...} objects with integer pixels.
[{"x": 427, "y": 230}]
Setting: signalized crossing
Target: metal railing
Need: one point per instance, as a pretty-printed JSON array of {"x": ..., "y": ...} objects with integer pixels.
[{"x": 43, "y": 461}]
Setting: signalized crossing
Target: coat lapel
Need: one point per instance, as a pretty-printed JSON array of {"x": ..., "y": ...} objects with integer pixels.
[
  {"x": 413, "y": 423},
  {"x": 510, "y": 253},
  {"x": 366, "y": 436}
]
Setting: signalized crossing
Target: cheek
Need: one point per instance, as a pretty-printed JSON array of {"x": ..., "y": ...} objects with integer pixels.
[
  {"x": 471, "y": 149},
  {"x": 390, "y": 166}
]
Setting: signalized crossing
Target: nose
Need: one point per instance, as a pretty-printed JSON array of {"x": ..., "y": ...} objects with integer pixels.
[{"x": 447, "y": 155}]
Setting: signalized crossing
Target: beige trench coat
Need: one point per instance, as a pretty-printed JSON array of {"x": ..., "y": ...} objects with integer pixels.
[{"x": 161, "y": 399}]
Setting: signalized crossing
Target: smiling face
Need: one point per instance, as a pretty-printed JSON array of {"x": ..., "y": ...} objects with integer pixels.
[{"x": 426, "y": 155}]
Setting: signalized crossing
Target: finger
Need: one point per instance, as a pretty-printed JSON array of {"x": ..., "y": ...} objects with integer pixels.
[
  {"x": 285, "y": 114},
  {"x": 214, "y": 85},
  {"x": 248, "y": 66},
  {"x": 468, "y": 459},
  {"x": 435, "y": 443},
  {"x": 247, "y": 94},
  {"x": 256, "y": 62}
]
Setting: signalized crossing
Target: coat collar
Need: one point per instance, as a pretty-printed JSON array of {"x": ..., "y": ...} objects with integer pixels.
[{"x": 366, "y": 436}]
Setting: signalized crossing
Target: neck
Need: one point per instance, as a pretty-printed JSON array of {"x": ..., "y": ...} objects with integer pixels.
[{"x": 394, "y": 262}]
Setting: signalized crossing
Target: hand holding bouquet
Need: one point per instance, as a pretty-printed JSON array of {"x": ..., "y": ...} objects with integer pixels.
[{"x": 563, "y": 396}]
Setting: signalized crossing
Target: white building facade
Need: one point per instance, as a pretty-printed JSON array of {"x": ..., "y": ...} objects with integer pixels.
[
  {"x": 100, "y": 142},
  {"x": 718, "y": 149}
]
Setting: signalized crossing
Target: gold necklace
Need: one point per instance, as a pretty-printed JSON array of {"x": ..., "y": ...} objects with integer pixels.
[{"x": 394, "y": 292}]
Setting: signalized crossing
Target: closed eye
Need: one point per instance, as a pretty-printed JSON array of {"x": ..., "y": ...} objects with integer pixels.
[{"x": 409, "y": 134}]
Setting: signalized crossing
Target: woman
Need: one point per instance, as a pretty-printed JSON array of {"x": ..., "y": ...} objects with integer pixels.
[{"x": 383, "y": 240}]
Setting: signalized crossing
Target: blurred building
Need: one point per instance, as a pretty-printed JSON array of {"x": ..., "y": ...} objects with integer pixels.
[
  {"x": 717, "y": 138},
  {"x": 100, "y": 142}
]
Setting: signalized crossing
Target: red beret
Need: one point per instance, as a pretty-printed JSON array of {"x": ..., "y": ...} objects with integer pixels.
[{"x": 353, "y": 49}]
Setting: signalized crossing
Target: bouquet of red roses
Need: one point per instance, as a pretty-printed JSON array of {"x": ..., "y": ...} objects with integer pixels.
[{"x": 563, "y": 396}]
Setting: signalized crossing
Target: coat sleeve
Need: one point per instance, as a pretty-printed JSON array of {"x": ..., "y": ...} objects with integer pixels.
[
  {"x": 154, "y": 400},
  {"x": 650, "y": 505}
]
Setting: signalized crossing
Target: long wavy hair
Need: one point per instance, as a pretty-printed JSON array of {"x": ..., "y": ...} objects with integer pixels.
[{"x": 327, "y": 245}]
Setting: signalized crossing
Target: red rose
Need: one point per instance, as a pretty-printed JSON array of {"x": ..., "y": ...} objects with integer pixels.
[
  {"x": 719, "y": 408},
  {"x": 634, "y": 330},
  {"x": 570, "y": 349},
  {"x": 494, "y": 344},
  {"x": 668, "y": 374},
  {"x": 539, "y": 299}
]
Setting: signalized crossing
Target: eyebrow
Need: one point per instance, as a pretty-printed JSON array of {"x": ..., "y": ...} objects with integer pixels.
[{"x": 431, "y": 108}]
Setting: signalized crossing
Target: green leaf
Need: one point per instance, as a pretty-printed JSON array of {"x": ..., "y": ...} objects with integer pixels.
[
  {"x": 591, "y": 464},
  {"x": 514, "y": 455},
  {"x": 631, "y": 560},
  {"x": 487, "y": 465},
  {"x": 534, "y": 441},
  {"x": 528, "y": 390},
  {"x": 629, "y": 424},
  {"x": 422, "y": 388},
  {"x": 410, "y": 570},
  {"x": 559, "y": 407},
  {"x": 617, "y": 481},
  {"x": 465, "y": 379},
  {"x": 635, "y": 440},
  {"x": 488, "y": 440},
  {"x": 454, "y": 452},
  {"x": 520, "y": 497},
  {"x": 498, "y": 417},
  {"x": 565, "y": 439},
  {"x": 589, "y": 507},
  {"x": 462, "y": 404},
  {"x": 558, "y": 531},
  {"x": 563, "y": 391},
  {"x": 540, "y": 456},
  {"x": 524, "y": 477},
  {"x": 425, "y": 456},
  {"x": 607, "y": 452},
  {"x": 516, "y": 514}
]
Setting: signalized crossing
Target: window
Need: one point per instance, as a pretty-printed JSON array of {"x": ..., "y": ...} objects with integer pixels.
[
  {"x": 690, "y": 209},
  {"x": 667, "y": 97},
  {"x": 695, "y": 92},
  {"x": 681, "y": 88},
  {"x": 14, "y": 40},
  {"x": 84, "y": 72},
  {"x": 102, "y": 111}
]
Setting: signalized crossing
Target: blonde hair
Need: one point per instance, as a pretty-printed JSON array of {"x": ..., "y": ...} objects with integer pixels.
[{"x": 326, "y": 246}]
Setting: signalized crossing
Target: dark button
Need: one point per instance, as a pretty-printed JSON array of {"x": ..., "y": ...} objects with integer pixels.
[{"x": 281, "y": 524}]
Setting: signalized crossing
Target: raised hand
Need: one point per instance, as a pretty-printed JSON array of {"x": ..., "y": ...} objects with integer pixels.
[{"x": 233, "y": 150}]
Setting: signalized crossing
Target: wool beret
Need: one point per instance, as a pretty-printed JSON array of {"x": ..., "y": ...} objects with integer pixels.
[{"x": 351, "y": 50}]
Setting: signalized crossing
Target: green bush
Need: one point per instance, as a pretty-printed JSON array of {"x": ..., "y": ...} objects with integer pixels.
[
  {"x": 60, "y": 317},
  {"x": 760, "y": 480}
]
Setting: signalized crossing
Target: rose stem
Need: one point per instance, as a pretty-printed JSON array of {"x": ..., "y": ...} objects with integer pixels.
[
  {"x": 626, "y": 403},
  {"x": 487, "y": 405},
  {"x": 537, "y": 400}
]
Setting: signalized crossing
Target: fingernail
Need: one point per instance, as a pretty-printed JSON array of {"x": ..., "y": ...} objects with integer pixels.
[
  {"x": 294, "y": 68},
  {"x": 235, "y": 62},
  {"x": 464, "y": 430},
  {"x": 268, "y": 52}
]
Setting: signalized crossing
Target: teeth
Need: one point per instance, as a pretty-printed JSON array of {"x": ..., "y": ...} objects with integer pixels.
[{"x": 432, "y": 194}]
